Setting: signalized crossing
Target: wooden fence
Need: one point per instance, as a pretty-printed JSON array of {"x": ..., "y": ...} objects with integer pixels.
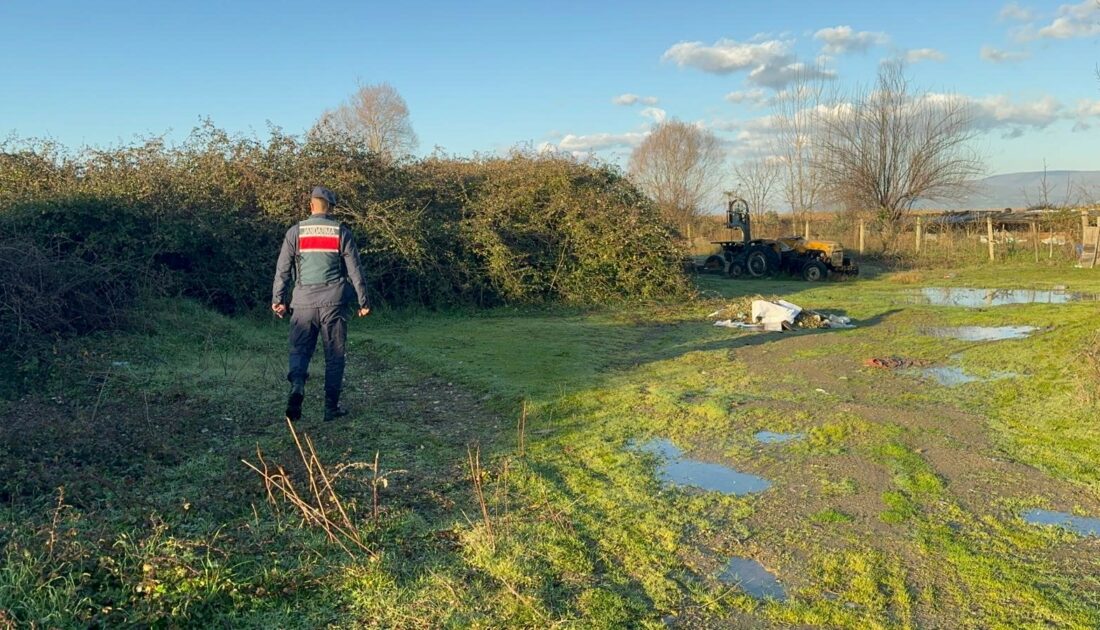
[{"x": 944, "y": 238}]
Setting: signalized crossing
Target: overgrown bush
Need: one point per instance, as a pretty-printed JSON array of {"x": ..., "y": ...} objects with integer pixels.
[{"x": 204, "y": 219}]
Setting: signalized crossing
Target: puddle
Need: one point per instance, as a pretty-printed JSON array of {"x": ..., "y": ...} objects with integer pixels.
[
  {"x": 751, "y": 577},
  {"x": 771, "y": 437},
  {"x": 949, "y": 376},
  {"x": 705, "y": 475},
  {"x": 952, "y": 376},
  {"x": 983, "y": 333},
  {"x": 1081, "y": 525},
  {"x": 978, "y": 298}
]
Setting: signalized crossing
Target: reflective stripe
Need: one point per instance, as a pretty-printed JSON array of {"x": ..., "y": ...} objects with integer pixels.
[{"x": 319, "y": 243}]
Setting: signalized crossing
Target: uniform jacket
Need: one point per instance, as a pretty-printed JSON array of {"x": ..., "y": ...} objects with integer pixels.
[{"x": 321, "y": 255}]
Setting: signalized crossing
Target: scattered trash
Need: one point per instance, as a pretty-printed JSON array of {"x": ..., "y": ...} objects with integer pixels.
[
  {"x": 751, "y": 577},
  {"x": 775, "y": 315},
  {"x": 120, "y": 363},
  {"x": 894, "y": 363},
  {"x": 840, "y": 321},
  {"x": 729, "y": 323},
  {"x": 705, "y": 475}
]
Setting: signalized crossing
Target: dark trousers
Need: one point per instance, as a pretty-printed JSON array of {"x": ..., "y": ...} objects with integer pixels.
[{"x": 331, "y": 322}]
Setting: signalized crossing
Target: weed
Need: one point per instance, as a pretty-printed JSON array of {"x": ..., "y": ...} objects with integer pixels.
[{"x": 338, "y": 526}]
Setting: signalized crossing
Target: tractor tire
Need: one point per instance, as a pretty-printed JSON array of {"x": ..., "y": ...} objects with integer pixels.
[
  {"x": 814, "y": 271},
  {"x": 736, "y": 270},
  {"x": 714, "y": 264},
  {"x": 761, "y": 261}
]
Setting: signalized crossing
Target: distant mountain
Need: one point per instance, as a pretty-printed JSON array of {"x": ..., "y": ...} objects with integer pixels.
[{"x": 1020, "y": 190}]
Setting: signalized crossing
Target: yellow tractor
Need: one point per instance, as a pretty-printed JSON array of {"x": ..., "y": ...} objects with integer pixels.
[{"x": 812, "y": 260}]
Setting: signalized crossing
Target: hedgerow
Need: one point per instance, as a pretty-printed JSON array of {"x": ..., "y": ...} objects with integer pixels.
[{"x": 204, "y": 219}]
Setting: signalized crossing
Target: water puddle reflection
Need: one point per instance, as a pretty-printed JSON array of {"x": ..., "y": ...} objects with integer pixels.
[
  {"x": 751, "y": 577},
  {"x": 983, "y": 333},
  {"x": 681, "y": 471},
  {"x": 1081, "y": 525},
  {"x": 771, "y": 437},
  {"x": 979, "y": 298},
  {"x": 953, "y": 376}
]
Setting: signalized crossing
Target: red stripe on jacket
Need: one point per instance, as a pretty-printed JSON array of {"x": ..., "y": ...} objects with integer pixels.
[{"x": 319, "y": 243}]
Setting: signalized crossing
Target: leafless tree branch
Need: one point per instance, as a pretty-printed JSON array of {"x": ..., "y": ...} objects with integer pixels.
[
  {"x": 679, "y": 166},
  {"x": 376, "y": 118},
  {"x": 887, "y": 148}
]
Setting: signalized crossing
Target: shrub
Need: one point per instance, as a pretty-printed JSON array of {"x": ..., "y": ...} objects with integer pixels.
[{"x": 204, "y": 219}]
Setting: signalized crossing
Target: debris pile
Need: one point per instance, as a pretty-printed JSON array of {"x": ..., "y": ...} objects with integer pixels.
[
  {"x": 894, "y": 363},
  {"x": 775, "y": 315}
]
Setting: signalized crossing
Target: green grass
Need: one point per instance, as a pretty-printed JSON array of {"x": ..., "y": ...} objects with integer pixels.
[{"x": 894, "y": 510}]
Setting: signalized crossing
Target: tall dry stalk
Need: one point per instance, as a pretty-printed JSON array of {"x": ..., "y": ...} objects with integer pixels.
[
  {"x": 521, "y": 430},
  {"x": 337, "y": 525},
  {"x": 476, "y": 473}
]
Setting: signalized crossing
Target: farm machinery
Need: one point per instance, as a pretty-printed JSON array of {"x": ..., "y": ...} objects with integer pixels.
[{"x": 812, "y": 260}]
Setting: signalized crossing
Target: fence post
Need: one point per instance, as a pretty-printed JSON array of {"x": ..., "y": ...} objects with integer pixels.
[
  {"x": 1084, "y": 226},
  {"x": 1095, "y": 245},
  {"x": 918, "y": 235},
  {"x": 1035, "y": 238},
  {"x": 989, "y": 234},
  {"x": 807, "y": 229},
  {"x": 862, "y": 232}
]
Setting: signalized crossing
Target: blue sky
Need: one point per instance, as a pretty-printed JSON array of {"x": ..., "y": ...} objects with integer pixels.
[{"x": 485, "y": 76}]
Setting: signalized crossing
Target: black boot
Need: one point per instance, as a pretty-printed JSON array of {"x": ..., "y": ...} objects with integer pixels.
[
  {"x": 294, "y": 401},
  {"x": 332, "y": 406}
]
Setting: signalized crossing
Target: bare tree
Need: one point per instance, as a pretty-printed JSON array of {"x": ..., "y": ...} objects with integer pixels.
[
  {"x": 756, "y": 181},
  {"x": 679, "y": 165},
  {"x": 888, "y": 148},
  {"x": 1044, "y": 194},
  {"x": 794, "y": 114},
  {"x": 376, "y": 118}
]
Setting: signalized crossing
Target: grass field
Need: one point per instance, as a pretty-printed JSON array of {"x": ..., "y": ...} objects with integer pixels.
[{"x": 899, "y": 506}]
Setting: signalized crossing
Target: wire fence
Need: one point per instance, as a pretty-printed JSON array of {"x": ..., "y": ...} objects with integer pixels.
[{"x": 940, "y": 239}]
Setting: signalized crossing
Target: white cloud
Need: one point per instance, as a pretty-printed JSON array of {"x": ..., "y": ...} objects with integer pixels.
[
  {"x": 1013, "y": 118},
  {"x": 842, "y": 39},
  {"x": 657, "y": 114},
  {"x": 924, "y": 54},
  {"x": 727, "y": 56},
  {"x": 1013, "y": 11},
  {"x": 1073, "y": 20},
  {"x": 996, "y": 55},
  {"x": 1000, "y": 112},
  {"x": 778, "y": 77},
  {"x": 754, "y": 96},
  {"x": 1088, "y": 109},
  {"x": 632, "y": 99},
  {"x": 601, "y": 141},
  {"x": 769, "y": 61}
]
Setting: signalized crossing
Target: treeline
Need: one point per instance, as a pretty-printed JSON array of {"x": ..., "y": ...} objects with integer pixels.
[{"x": 82, "y": 234}]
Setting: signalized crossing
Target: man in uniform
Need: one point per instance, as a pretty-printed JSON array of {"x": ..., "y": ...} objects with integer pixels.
[{"x": 322, "y": 253}]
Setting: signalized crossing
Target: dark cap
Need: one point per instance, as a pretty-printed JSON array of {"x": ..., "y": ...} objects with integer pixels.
[{"x": 320, "y": 192}]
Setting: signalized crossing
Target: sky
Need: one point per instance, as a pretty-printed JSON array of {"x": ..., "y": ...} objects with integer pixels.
[{"x": 588, "y": 78}]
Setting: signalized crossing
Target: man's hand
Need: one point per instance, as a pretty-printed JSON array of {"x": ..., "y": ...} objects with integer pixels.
[
  {"x": 363, "y": 312},
  {"x": 279, "y": 310}
]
